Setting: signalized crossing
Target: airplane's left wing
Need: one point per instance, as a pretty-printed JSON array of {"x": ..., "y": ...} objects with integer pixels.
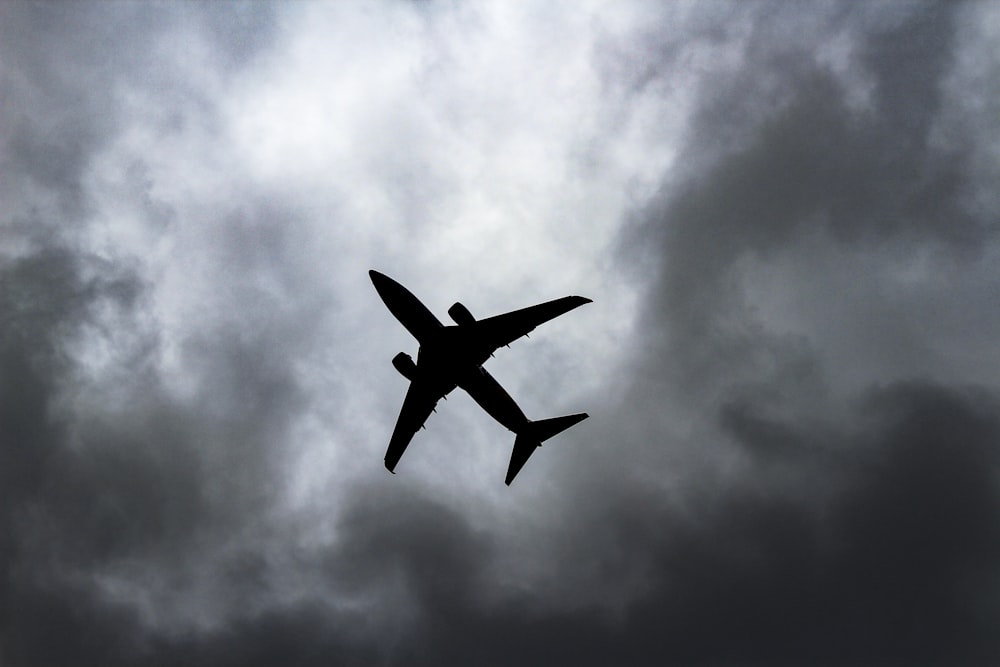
[
  {"x": 504, "y": 329},
  {"x": 421, "y": 397}
]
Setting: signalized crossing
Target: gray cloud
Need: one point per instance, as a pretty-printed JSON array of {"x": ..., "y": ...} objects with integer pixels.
[
  {"x": 888, "y": 571},
  {"x": 795, "y": 462}
]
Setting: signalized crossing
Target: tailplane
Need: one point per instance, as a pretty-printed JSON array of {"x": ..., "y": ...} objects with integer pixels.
[{"x": 533, "y": 435}]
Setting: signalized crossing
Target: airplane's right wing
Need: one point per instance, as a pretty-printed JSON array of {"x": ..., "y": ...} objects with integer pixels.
[
  {"x": 421, "y": 397},
  {"x": 504, "y": 329}
]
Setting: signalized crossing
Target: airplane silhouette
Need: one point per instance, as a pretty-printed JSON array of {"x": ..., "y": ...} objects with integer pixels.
[{"x": 453, "y": 356}]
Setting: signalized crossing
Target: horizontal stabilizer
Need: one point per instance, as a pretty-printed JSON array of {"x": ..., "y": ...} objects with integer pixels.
[{"x": 533, "y": 435}]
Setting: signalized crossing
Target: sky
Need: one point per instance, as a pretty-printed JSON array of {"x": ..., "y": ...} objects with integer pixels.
[{"x": 786, "y": 217}]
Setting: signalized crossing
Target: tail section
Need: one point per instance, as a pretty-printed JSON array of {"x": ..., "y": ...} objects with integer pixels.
[{"x": 533, "y": 435}]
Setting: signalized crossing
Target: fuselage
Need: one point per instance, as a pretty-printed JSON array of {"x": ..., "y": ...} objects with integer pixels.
[
  {"x": 405, "y": 307},
  {"x": 449, "y": 356}
]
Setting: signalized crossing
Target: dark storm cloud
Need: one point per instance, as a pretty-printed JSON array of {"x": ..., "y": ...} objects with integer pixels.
[
  {"x": 92, "y": 482},
  {"x": 859, "y": 526},
  {"x": 58, "y": 509},
  {"x": 813, "y": 164},
  {"x": 115, "y": 473},
  {"x": 889, "y": 570},
  {"x": 882, "y": 559}
]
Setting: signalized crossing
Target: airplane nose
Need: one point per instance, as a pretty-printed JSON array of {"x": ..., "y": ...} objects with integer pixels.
[{"x": 383, "y": 283}]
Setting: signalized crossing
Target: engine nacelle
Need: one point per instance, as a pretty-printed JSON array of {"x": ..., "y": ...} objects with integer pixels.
[
  {"x": 403, "y": 363},
  {"x": 460, "y": 314}
]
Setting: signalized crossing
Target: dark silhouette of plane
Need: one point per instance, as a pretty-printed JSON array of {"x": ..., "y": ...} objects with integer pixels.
[{"x": 453, "y": 356}]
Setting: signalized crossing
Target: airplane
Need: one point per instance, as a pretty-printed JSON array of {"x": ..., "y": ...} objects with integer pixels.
[{"x": 453, "y": 356}]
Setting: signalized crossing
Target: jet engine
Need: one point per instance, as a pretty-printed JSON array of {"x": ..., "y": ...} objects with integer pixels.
[
  {"x": 460, "y": 314},
  {"x": 404, "y": 364}
]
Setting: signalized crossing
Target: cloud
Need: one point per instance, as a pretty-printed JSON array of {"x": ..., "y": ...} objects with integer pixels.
[
  {"x": 885, "y": 570},
  {"x": 782, "y": 212}
]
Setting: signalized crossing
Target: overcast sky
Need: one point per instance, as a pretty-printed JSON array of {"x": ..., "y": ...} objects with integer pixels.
[{"x": 786, "y": 215}]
